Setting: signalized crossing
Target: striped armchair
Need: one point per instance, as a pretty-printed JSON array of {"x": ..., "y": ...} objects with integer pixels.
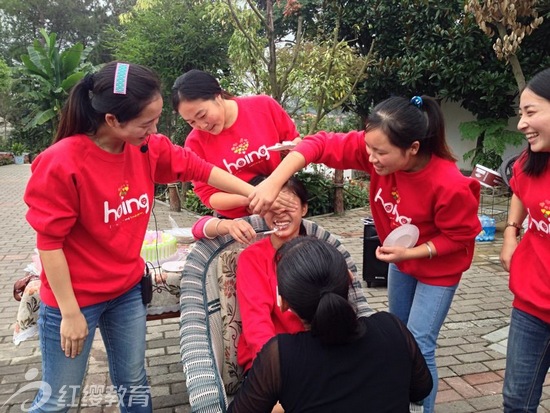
[{"x": 209, "y": 317}]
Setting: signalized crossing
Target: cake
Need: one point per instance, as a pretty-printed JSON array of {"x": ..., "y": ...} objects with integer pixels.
[{"x": 158, "y": 246}]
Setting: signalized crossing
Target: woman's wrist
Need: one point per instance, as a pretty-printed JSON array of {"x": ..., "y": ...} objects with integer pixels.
[{"x": 514, "y": 227}]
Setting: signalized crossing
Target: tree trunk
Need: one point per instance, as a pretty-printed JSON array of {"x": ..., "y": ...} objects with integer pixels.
[
  {"x": 338, "y": 192},
  {"x": 518, "y": 72},
  {"x": 174, "y": 197}
]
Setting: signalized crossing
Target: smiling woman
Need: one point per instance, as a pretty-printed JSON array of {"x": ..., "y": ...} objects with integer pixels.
[
  {"x": 528, "y": 352},
  {"x": 261, "y": 317},
  {"x": 232, "y": 133},
  {"x": 90, "y": 198}
]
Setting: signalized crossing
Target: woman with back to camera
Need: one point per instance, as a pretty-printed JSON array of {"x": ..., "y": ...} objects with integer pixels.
[
  {"x": 413, "y": 180},
  {"x": 341, "y": 363},
  {"x": 257, "y": 281},
  {"x": 90, "y": 197},
  {"x": 528, "y": 349},
  {"x": 230, "y": 132}
]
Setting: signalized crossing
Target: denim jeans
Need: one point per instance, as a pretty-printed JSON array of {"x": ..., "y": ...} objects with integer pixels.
[
  {"x": 423, "y": 309},
  {"x": 527, "y": 362},
  {"x": 121, "y": 322}
]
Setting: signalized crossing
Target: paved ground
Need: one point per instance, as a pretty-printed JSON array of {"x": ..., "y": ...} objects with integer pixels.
[{"x": 471, "y": 348}]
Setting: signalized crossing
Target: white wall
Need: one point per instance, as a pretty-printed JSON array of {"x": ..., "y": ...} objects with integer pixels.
[{"x": 454, "y": 116}]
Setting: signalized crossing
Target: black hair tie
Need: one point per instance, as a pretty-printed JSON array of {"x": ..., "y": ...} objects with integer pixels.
[{"x": 88, "y": 81}]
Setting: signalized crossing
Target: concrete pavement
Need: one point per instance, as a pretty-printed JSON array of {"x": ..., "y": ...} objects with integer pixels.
[{"x": 471, "y": 345}]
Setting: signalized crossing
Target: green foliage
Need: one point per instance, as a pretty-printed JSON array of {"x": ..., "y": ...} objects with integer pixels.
[
  {"x": 320, "y": 189},
  {"x": 47, "y": 75},
  {"x": 74, "y": 21},
  {"x": 17, "y": 148},
  {"x": 6, "y": 161},
  {"x": 491, "y": 137},
  {"x": 170, "y": 38},
  {"x": 193, "y": 203},
  {"x": 5, "y": 94}
]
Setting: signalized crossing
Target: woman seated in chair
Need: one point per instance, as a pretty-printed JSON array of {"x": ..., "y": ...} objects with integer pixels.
[
  {"x": 340, "y": 363},
  {"x": 257, "y": 281}
]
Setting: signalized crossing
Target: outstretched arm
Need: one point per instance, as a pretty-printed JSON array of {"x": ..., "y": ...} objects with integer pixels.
[
  {"x": 263, "y": 195},
  {"x": 226, "y": 182}
]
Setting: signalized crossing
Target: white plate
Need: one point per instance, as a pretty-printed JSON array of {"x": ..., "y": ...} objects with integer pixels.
[
  {"x": 403, "y": 236},
  {"x": 173, "y": 266},
  {"x": 283, "y": 146},
  {"x": 181, "y": 234}
]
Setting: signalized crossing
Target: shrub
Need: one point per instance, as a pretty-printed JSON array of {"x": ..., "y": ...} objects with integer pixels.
[{"x": 320, "y": 189}]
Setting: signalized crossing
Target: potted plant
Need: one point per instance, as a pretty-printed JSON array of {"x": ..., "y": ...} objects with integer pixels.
[{"x": 17, "y": 148}]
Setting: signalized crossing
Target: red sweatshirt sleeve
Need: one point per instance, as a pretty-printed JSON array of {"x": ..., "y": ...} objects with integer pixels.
[
  {"x": 198, "y": 227},
  {"x": 336, "y": 150},
  {"x": 52, "y": 217},
  {"x": 172, "y": 163},
  {"x": 456, "y": 216}
]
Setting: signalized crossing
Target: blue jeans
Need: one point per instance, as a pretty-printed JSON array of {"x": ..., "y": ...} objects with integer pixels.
[
  {"x": 527, "y": 362},
  {"x": 423, "y": 309},
  {"x": 122, "y": 325}
]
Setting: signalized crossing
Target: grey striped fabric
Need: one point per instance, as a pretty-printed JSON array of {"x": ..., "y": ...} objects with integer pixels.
[{"x": 201, "y": 336}]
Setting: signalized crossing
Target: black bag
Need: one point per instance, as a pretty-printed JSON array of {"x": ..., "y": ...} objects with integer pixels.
[
  {"x": 146, "y": 287},
  {"x": 374, "y": 270}
]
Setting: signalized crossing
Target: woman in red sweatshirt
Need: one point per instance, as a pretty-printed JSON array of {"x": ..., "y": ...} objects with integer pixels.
[
  {"x": 233, "y": 133},
  {"x": 413, "y": 180},
  {"x": 528, "y": 351},
  {"x": 90, "y": 197}
]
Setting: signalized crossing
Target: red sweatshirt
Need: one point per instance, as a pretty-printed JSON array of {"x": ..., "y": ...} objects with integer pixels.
[
  {"x": 438, "y": 199},
  {"x": 242, "y": 148},
  {"x": 530, "y": 266},
  {"x": 96, "y": 205},
  {"x": 257, "y": 296}
]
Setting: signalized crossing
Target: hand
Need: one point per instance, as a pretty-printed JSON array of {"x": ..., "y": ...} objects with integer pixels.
[
  {"x": 241, "y": 231},
  {"x": 392, "y": 254},
  {"x": 508, "y": 248},
  {"x": 284, "y": 202},
  {"x": 262, "y": 197},
  {"x": 73, "y": 332}
]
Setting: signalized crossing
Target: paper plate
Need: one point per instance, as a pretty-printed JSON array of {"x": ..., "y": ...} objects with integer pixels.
[
  {"x": 283, "y": 146},
  {"x": 403, "y": 236},
  {"x": 183, "y": 235},
  {"x": 173, "y": 266}
]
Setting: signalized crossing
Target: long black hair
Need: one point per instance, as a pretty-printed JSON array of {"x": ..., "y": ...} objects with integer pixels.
[
  {"x": 93, "y": 97},
  {"x": 404, "y": 122},
  {"x": 196, "y": 85},
  {"x": 537, "y": 162},
  {"x": 313, "y": 277}
]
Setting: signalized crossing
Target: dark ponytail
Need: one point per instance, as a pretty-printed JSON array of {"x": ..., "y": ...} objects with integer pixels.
[
  {"x": 93, "y": 97},
  {"x": 537, "y": 162},
  {"x": 405, "y": 121},
  {"x": 313, "y": 277}
]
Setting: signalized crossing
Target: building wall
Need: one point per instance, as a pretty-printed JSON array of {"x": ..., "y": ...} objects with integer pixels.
[{"x": 454, "y": 116}]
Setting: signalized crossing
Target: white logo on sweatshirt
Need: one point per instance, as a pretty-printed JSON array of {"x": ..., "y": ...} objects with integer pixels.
[
  {"x": 391, "y": 209},
  {"x": 251, "y": 157},
  {"x": 541, "y": 226},
  {"x": 126, "y": 208}
]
